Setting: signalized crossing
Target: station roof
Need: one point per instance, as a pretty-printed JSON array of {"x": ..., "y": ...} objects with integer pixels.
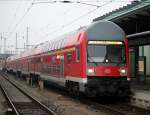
[
  {"x": 135, "y": 7},
  {"x": 142, "y": 38},
  {"x": 133, "y": 18}
]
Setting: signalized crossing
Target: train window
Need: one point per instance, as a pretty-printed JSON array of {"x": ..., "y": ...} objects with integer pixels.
[
  {"x": 38, "y": 60},
  {"x": 69, "y": 57},
  {"x": 77, "y": 53}
]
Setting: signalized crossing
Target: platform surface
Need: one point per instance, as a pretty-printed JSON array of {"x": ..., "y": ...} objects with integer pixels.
[{"x": 141, "y": 94}]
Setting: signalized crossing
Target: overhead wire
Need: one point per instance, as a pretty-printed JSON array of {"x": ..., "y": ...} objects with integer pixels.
[
  {"x": 74, "y": 0},
  {"x": 65, "y": 13},
  {"x": 28, "y": 9},
  {"x": 104, "y": 0},
  {"x": 82, "y": 3},
  {"x": 73, "y": 21},
  {"x": 70, "y": 23},
  {"x": 21, "y": 19},
  {"x": 15, "y": 14}
]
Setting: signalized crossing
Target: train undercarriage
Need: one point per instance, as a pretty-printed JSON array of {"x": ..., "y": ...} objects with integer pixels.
[
  {"x": 100, "y": 87},
  {"x": 108, "y": 87}
]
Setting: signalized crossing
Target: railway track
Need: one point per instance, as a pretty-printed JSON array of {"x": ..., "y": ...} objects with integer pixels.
[
  {"x": 119, "y": 108},
  {"x": 110, "y": 107},
  {"x": 20, "y": 102}
]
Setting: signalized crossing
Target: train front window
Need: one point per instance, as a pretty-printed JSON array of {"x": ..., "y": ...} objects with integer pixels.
[{"x": 109, "y": 53}]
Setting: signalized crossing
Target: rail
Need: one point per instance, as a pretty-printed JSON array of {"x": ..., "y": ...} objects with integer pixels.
[{"x": 12, "y": 104}]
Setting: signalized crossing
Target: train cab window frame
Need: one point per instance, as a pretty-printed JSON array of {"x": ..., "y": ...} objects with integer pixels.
[
  {"x": 69, "y": 57},
  {"x": 106, "y": 53},
  {"x": 78, "y": 53}
]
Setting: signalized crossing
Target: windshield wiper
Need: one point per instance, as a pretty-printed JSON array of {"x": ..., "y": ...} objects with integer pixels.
[{"x": 89, "y": 58}]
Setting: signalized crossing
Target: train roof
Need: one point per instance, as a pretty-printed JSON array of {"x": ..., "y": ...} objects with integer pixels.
[
  {"x": 104, "y": 30},
  {"x": 100, "y": 30}
]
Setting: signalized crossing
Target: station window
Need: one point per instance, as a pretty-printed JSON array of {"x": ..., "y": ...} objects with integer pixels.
[
  {"x": 78, "y": 53},
  {"x": 69, "y": 57}
]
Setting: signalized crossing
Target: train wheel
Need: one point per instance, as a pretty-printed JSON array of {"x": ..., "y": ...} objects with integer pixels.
[
  {"x": 76, "y": 91},
  {"x": 91, "y": 92},
  {"x": 73, "y": 89}
]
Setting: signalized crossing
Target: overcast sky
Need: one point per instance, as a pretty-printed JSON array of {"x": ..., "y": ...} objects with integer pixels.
[{"x": 47, "y": 20}]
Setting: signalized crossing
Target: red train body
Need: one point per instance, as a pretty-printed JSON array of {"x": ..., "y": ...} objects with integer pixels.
[{"x": 93, "y": 60}]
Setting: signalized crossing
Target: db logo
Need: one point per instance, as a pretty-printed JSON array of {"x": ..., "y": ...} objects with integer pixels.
[{"x": 107, "y": 71}]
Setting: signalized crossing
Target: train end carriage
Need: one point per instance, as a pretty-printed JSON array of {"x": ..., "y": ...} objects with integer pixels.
[{"x": 104, "y": 62}]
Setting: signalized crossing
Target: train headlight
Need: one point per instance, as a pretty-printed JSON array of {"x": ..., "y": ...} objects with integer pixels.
[
  {"x": 123, "y": 72},
  {"x": 90, "y": 71}
]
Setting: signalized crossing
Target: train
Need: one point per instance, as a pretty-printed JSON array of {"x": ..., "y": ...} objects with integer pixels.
[{"x": 92, "y": 60}]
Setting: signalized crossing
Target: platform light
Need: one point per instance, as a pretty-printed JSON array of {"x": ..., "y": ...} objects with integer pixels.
[{"x": 106, "y": 42}]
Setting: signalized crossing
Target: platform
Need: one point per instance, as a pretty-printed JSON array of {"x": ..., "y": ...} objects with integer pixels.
[{"x": 141, "y": 94}]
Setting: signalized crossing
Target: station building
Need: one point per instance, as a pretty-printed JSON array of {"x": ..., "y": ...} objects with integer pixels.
[{"x": 135, "y": 20}]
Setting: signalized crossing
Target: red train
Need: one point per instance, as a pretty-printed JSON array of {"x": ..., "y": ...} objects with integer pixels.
[{"x": 93, "y": 60}]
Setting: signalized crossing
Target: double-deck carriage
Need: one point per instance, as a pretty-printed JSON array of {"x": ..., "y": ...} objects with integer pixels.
[{"x": 92, "y": 60}]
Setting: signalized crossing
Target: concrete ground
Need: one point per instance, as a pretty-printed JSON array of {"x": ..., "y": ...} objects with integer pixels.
[
  {"x": 141, "y": 93},
  {"x": 140, "y": 85}
]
